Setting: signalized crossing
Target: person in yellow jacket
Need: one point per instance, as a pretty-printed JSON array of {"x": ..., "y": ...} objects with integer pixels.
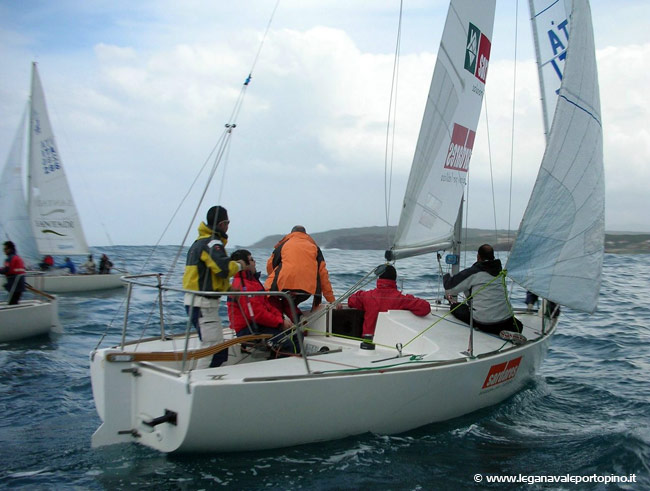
[
  {"x": 297, "y": 266},
  {"x": 208, "y": 268}
]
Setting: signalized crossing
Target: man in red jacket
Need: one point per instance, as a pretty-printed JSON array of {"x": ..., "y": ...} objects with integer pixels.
[
  {"x": 254, "y": 314},
  {"x": 384, "y": 298},
  {"x": 14, "y": 270}
]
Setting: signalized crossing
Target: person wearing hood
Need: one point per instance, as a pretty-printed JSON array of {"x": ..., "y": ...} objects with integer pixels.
[
  {"x": 491, "y": 309},
  {"x": 208, "y": 268},
  {"x": 384, "y": 298}
]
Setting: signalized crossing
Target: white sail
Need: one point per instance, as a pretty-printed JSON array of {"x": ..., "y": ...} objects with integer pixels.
[
  {"x": 441, "y": 161},
  {"x": 550, "y": 24},
  {"x": 55, "y": 220},
  {"x": 559, "y": 249},
  {"x": 14, "y": 220}
]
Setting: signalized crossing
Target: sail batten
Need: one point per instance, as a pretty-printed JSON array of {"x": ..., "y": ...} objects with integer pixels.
[{"x": 442, "y": 155}]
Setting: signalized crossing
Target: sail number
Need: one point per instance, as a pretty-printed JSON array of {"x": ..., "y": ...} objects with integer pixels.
[{"x": 49, "y": 156}]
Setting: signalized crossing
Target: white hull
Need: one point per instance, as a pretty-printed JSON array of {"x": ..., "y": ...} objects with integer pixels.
[
  {"x": 27, "y": 319},
  {"x": 66, "y": 283},
  {"x": 275, "y": 403}
]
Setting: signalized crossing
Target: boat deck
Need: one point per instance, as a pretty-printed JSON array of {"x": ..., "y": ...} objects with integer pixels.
[{"x": 435, "y": 338}]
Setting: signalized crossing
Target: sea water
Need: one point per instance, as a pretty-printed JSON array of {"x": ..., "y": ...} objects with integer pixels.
[{"x": 585, "y": 416}]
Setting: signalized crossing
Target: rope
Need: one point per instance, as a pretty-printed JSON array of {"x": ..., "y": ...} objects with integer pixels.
[
  {"x": 178, "y": 355},
  {"x": 512, "y": 136},
  {"x": 494, "y": 205},
  {"x": 501, "y": 274},
  {"x": 392, "y": 111},
  {"x": 219, "y": 149}
]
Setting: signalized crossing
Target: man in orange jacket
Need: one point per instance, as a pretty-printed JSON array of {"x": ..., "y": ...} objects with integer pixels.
[{"x": 297, "y": 266}]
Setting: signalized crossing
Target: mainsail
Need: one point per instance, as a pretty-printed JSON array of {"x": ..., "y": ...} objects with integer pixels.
[
  {"x": 54, "y": 217},
  {"x": 550, "y": 24},
  {"x": 559, "y": 249},
  {"x": 441, "y": 160}
]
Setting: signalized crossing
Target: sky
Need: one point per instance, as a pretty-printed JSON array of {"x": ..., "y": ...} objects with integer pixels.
[{"x": 139, "y": 94}]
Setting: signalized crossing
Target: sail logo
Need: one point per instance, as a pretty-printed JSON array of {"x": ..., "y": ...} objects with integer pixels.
[
  {"x": 477, "y": 53},
  {"x": 501, "y": 373},
  {"x": 555, "y": 35},
  {"x": 460, "y": 148}
]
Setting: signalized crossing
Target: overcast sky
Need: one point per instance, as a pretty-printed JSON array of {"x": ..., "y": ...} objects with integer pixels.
[{"x": 139, "y": 91}]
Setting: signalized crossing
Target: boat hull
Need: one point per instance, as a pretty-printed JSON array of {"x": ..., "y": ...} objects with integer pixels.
[
  {"x": 239, "y": 408},
  {"x": 75, "y": 282},
  {"x": 27, "y": 319}
]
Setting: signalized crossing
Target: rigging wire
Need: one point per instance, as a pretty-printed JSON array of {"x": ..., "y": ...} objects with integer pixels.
[
  {"x": 218, "y": 151},
  {"x": 220, "y": 148},
  {"x": 392, "y": 115},
  {"x": 512, "y": 135},
  {"x": 494, "y": 205}
]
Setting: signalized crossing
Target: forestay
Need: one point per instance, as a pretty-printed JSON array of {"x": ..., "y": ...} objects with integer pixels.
[
  {"x": 559, "y": 249},
  {"x": 54, "y": 217},
  {"x": 441, "y": 160},
  {"x": 550, "y": 24}
]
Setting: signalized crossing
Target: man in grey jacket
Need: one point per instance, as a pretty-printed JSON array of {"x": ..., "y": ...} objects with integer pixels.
[{"x": 490, "y": 307}]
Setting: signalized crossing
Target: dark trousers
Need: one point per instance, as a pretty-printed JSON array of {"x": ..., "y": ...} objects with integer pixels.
[
  {"x": 18, "y": 287},
  {"x": 462, "y": 313}
]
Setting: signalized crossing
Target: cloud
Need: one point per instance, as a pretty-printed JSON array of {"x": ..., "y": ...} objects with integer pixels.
[{"x": 138, "y": 109}]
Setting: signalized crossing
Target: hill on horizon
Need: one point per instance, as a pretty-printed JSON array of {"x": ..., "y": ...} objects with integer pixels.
[{"x": 377, "y": 238}]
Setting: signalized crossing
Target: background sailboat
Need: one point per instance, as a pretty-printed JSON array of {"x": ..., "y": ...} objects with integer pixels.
[{"x": 48, "y": 222}]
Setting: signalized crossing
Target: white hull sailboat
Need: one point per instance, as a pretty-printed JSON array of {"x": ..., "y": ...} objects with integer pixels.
[
  {"x": 30, "y": 317},
  {"x": 422, "y": 369},
  {"x": 47, "y": 223}
]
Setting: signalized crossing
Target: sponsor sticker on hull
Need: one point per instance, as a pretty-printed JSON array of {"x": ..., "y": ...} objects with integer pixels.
[{"x": 501, "y": 373}]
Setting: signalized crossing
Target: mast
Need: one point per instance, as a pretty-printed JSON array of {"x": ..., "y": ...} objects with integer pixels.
[{"x": 540, "y": 74}]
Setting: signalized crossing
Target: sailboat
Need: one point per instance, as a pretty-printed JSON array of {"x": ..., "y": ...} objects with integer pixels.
[
  {"x": 422, "y": 370},
  {"x": 29, "y": 318},
  {"x": 47, "y": 223}
]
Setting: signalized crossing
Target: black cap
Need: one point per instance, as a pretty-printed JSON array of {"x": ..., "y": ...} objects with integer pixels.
[
  {"x": 216, "y": 215},
  {"x": 389, "y": 273}
]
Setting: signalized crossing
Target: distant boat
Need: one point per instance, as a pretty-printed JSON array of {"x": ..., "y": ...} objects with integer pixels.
[
  {"x": 422, "y": 369},
  {"x": 30, "y": 317},
  {"x": 47, "y": 223}
]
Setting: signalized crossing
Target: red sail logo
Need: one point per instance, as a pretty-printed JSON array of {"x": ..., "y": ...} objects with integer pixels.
[
  {"x": 501, "y": 373},
  {"x": 460, "y": 148},
  {"x": 477, "y": 52}
]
